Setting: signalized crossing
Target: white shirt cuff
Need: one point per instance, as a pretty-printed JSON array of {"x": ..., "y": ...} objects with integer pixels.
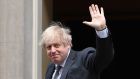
[{"x": 103, "y": 33}]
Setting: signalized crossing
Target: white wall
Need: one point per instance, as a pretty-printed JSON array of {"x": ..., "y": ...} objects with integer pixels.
[{"x": 20, "y": 30}]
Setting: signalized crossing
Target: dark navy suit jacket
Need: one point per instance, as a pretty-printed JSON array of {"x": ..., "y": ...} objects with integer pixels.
[{"x": 88, "y": 63}]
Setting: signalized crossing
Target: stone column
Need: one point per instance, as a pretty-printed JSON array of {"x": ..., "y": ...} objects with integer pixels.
[
  {"x": 12, "y": 39},
  {"x": 20, "y": 29}
]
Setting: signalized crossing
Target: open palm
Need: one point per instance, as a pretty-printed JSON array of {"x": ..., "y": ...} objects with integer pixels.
[{"x": 98, "y": 20}]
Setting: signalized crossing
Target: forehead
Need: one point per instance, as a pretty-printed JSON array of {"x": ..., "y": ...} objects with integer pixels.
[{"x": 52, "y": 42}]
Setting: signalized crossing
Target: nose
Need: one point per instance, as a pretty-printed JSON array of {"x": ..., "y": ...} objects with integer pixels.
[{"x": 53, "y": 49}]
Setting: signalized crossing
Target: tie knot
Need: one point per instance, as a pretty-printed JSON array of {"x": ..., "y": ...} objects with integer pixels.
[{"x": 58, "y": 67}]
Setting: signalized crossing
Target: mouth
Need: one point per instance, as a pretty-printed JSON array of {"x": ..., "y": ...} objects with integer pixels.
[{"x": 54, "y": 57}]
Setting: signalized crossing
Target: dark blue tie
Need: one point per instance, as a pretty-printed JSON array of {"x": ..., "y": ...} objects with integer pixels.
[{"x": 57, "y": 71}]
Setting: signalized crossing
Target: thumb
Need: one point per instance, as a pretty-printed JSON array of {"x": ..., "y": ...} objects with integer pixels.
[{"x": 86, "y": 22}]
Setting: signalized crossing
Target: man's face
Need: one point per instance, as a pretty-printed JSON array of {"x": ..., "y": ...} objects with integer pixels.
[{"x": 57, "y": 52}]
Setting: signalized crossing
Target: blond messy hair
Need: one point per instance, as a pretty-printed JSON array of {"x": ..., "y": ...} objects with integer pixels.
[{"x": 56, "y": 33}]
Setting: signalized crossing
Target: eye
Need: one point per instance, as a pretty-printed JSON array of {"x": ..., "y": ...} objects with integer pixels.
[{"x": 48, "y": 47}]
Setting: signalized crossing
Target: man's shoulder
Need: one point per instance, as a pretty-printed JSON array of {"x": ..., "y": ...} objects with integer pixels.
[
  {"x": 88, "y": 49},
  {"x": 85, "y": 51}
]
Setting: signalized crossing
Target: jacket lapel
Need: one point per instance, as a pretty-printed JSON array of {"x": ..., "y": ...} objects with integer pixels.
[
  {"x": 68, "y": 64},
  {"x": 50, "y": 71}
]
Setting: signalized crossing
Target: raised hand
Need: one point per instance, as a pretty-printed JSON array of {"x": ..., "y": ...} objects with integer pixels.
[{"x": 98, "y": 19}]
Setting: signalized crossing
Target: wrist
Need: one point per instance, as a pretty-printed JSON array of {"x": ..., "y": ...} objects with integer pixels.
[{"x": 101, "y": 28}]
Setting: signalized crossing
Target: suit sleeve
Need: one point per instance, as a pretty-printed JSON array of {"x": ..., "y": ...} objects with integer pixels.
[
  {"x": 97, "y": 60},
  {"x": 104, "y": 53}
]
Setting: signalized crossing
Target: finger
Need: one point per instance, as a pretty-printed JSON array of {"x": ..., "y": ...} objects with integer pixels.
[
  {"x": 87, "y": 23},
  {"x": 93, "y": 8},
  {"x": 102, "y": 11},
  {"x": 97, "y": 9},
  {"x": 91, "y": 12}
]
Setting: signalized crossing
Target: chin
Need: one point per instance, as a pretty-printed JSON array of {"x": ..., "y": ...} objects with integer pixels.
[{"x": 56, "y": 61}]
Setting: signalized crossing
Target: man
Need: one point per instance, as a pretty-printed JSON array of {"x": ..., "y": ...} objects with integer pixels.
[{"x": 85, "y": 64}]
